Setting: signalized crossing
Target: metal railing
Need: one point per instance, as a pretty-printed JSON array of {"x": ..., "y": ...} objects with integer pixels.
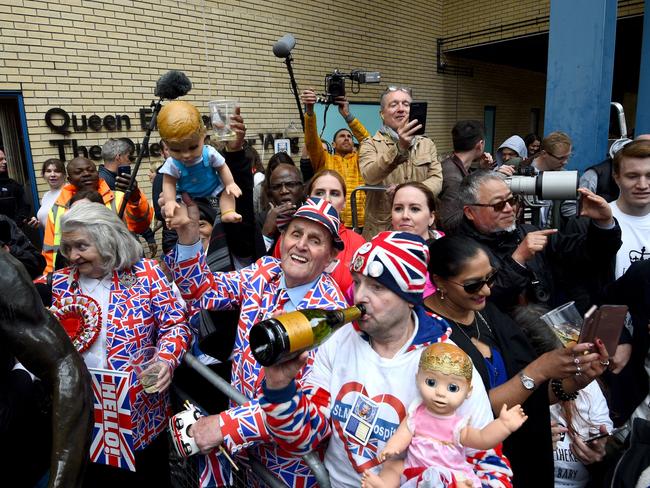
[
  {"x": 353, "y": 202},
  {"x": 257, "y": 468}
]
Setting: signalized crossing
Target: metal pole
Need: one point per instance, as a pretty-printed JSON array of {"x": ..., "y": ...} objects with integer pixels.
[
  {"x": 144, "y": 146},
  {"x": 353, "y": 202},
  {"x": 294, "y": 86},
  {"x": 311, "y": 459}
]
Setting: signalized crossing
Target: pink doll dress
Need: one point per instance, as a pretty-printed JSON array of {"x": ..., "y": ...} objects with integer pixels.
[{"x": 436, "y": 444}]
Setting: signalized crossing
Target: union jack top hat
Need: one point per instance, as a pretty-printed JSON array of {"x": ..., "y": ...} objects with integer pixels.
[
  {"x": 320, "y": 211},
  {"x": 397, "y": 260}
]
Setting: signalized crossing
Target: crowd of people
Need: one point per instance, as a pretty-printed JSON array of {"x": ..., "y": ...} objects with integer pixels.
[{"x": 452, "y": 278}]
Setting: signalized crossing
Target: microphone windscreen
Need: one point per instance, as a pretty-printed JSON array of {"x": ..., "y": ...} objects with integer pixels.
[
  {"x": 172, "y": 85},
  {"x": 283, "y": 47}
]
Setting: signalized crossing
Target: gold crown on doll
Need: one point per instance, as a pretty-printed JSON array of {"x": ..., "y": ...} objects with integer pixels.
[{"x": 447, "y": 359}]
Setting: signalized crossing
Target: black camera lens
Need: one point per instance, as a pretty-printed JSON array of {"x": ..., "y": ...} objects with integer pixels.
[{"x": 539, "y": 291}]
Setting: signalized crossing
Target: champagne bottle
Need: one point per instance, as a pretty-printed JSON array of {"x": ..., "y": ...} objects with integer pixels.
[{"x": 284, "y": 337}]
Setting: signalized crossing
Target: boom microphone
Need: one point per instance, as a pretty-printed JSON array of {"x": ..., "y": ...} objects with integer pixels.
[
  {"x": 283, "y": 47},
  {"x": 172, "y": 85}
]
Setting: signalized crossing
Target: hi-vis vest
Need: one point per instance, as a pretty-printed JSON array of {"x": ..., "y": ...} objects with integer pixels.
[{"x": 50, "y": 249}]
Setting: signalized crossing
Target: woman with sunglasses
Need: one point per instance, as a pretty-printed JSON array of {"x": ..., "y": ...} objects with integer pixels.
[{"x": 511, "y": 371}]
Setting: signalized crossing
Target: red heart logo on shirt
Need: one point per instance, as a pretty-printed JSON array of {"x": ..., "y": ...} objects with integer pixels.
[{"x": 391, "y": 412}]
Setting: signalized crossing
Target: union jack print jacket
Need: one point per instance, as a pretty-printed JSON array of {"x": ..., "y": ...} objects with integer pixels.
[
  {"x": 143, "y": 311},
  {"x": 256, "y": 289}
]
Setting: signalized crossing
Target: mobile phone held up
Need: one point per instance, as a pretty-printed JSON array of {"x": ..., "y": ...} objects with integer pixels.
[
  {"x": 419, "y": 111},
  {"x": 605, "y": 323},
  {"x": 124, "y": 170},
  {"x": 601, "y": 435}
]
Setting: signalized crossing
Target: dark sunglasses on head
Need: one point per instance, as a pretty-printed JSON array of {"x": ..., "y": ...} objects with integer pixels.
[
  {"x": 499, "y": 206},
  {"x": 476, "y": 286}
]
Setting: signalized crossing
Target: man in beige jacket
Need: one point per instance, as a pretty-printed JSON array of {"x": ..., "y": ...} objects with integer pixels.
[{"x": 395, "y": 155}]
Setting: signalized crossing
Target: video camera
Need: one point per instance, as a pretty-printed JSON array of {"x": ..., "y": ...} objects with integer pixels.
[{"x": 335, "y": 83}]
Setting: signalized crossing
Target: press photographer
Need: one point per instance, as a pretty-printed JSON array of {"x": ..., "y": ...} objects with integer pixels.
[
  {"x": 345, "y": 159},
  {"x": 528, "y": 258}
]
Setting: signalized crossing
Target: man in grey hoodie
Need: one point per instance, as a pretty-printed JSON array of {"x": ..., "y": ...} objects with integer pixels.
[{"x": 512, "y": 147}]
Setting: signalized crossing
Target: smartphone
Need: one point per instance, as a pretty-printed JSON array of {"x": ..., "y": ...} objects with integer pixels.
[
  {"x": 124, "y": 170},
  {"x": 601, "y": 435},
  {"x": 606, "y": 323},
  {"x": 419, "y": 112}
]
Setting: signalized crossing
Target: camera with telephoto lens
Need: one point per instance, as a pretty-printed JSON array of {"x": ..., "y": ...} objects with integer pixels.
[
  {"x": 335, "y": 83},
  {"x": 522, "y": 166},
  {"x": 547, "y": 185}
]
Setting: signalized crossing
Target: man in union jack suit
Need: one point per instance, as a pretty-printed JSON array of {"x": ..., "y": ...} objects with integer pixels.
[
  {"x": 362, "y": 381},
  {"x": 267, "y": 288}
]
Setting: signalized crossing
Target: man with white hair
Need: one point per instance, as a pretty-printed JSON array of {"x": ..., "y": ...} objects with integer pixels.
[
  {"x": 394, "y": 155},
  {"x": 526, "y": 255}
]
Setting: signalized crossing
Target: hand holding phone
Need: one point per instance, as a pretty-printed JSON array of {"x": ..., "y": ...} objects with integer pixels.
[
  {"x": 606, "y": 323},
  {"x": 123, "y": 177},
  {"x": 418, "y": 111},
  {"x": 601, "y": 435}
]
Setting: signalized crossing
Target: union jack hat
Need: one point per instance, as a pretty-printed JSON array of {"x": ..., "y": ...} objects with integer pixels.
[
  {"x": 397, "y": 260},
  {"x": 320, "y": 211}
]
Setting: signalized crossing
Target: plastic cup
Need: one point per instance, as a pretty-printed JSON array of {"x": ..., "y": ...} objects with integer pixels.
[
  {"x": 220, "y": 112},
  {"x": 565, "y": 321},
  {"x": 146, "y": 366}
]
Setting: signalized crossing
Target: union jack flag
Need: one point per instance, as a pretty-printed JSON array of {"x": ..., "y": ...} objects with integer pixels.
[
  {"x": 112, "y": 442},
  {"x": 398, "y": 253}
]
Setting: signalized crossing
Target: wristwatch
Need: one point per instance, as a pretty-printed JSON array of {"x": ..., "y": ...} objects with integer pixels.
[{"x": 527, "y": 381}]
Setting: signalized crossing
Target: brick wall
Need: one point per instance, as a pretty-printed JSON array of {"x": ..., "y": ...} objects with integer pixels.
[
  {"x": 481, "y": 21},
  {"x": 104, "y": 57}
]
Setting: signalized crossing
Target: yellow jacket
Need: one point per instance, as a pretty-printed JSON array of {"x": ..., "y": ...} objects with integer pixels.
[
  {"x": 137, "y": 217},
  {"x": 347, "y": 166}
]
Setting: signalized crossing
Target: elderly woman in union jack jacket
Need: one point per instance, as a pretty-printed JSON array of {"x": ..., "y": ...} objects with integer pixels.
[{"x": 113, "y": 303}]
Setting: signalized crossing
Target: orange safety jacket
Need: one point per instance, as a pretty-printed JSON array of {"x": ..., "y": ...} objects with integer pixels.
[{"x": 137, "y": 217}]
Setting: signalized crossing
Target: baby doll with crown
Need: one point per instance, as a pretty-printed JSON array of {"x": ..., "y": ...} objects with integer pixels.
[
  {"x": 191, "y": 165},
  {"x": 432, "y": 434}
]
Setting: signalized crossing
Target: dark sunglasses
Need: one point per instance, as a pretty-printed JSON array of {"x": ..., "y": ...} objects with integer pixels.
[
  {"x": 476, "y": 286},
  {"x": 499, "y": 206},
  {"x": 290, "y": 185}
]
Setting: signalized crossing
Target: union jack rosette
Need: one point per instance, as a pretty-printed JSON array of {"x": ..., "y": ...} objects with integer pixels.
[{"x": 81, "y": 318}]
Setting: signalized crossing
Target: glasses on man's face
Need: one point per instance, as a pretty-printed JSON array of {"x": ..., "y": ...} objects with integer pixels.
[
  {"x": 404, "y": 89},
  {"x": 476, "y": 286},
  {"x": 560, "y": 158},
  {"x": 499, "y": 206},
  {"x": 289, "y": 185}
]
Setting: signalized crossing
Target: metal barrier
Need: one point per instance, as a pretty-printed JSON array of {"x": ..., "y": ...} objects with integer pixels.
[
  {"x": 257, "y": 469},
  {"x": 353, "y": 202}
]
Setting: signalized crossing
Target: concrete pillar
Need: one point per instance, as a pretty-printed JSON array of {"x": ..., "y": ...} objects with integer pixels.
[
  {"x": 580, "y": 70},
  {"x": 642, "y": 125}
]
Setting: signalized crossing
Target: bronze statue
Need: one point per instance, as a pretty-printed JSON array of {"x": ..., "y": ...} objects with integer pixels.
[{"x": 37, "y": 340}]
